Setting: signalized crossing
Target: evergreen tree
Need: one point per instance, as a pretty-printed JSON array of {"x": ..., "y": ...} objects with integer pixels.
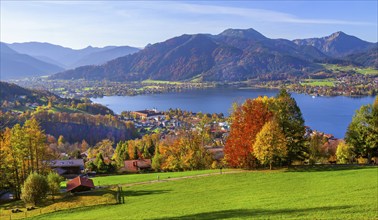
[
  {"x": 53, "y": 181},
  {"x": 290, "y": 119},
  {"x": 100, "y": 164},
  {"x": 316, "y": 152},
  {"x": 156, "y": 160},
  {"x": 362, "y": 132}
]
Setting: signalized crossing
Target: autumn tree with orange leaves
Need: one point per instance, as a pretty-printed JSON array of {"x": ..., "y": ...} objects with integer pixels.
[{"x": 247, "y": 120}]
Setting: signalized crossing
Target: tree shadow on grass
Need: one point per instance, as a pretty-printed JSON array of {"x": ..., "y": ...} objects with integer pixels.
[
  {"x": 11, "y": 204},
  {"x": 143, "y": 192},
  {"x": 255, "y": 213},
  {"x": 329, "y": 167},
  {"x": 96, "y": 192}
]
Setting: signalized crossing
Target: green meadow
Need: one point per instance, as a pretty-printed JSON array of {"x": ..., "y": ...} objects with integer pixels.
[
  {"x": 338, "y": 68},
  {"x": 151, "y": 81},
  {"x": 301, "y": 194},
  {"x": 324, "y": 82}
]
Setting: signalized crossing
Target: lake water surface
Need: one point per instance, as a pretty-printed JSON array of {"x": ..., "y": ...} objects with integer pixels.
[{"x": 328, "y": 114}]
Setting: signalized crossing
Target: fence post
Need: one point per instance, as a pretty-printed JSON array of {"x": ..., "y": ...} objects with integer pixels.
[{"x": 123, "y": 198}]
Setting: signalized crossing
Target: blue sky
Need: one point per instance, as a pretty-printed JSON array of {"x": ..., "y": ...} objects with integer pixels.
[{"x": 77, "y": 24}]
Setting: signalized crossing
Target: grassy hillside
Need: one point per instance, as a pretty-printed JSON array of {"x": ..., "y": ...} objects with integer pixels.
[{"x": 338, "y": 194}]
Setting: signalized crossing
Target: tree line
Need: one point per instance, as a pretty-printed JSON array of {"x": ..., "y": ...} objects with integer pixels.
[
  {"x": 271, "y": 131},
  {"x": 184, "y": 150},
  {"x": 23, "y": 150}
]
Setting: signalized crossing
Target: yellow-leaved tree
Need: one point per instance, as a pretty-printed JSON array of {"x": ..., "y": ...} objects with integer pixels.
[
  {"x": 344, "y": 153},
  {"x": 270, "y": 145}
]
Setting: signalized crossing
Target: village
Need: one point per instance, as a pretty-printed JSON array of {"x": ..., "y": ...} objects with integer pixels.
[{"x": 156, "y": 122}]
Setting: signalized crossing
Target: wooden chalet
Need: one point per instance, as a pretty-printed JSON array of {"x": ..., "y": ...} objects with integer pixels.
[
  {"x": 67, "y": 168},
  {"x": 80, "y": 184},
  {"x": 134, "y": 166}
]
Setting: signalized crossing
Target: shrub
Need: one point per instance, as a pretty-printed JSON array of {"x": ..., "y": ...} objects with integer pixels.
[
  {"x": 344, "y": 153},
  {"x": 54, "y": 180},
  {"x": 34, "y": 189}
]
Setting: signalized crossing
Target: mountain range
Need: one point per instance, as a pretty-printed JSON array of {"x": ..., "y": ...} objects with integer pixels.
[
  {"x": 71, "y": 58},
  {"x": 233, "y": 55},
  {"x": 20, "y": 60},
  {"x": 337, "y": 44},
  {"x": 14, "y": 65}
]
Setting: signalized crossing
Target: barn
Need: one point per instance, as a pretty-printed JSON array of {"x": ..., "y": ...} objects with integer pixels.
[{"x": 80, "y": 184}]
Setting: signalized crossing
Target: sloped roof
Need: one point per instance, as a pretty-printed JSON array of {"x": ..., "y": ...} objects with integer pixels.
[
  {"x": 144, "y": 163},
  {"x": 67, "y": 163},
  {"x": 140, "y": 163},
  {"x": 79, "y": 181}
]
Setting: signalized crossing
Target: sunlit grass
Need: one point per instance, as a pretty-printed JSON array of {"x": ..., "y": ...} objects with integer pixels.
[
  {"x": 63, "y": 202},
  {"x": 312, "y": 194}
]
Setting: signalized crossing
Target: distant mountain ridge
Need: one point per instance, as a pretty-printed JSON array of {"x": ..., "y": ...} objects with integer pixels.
[
  {"x": 337, "y": 44},
  {"x": 71, "y": 58},
  {"x": 233, "y": 55},
  {"x": 15, "y": 65},
  {"x": 102, "y": 56}
]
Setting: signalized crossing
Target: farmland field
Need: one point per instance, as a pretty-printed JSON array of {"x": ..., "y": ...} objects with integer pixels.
[
  {"x": 150, "y": 81},
  {"x": 324, "y": 82},
  {"x": 335, "y": 194},
  {"x": 339, "y": 68}
]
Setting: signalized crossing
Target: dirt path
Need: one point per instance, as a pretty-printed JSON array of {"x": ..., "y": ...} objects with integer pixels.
[{"x": 180, "y": 178}]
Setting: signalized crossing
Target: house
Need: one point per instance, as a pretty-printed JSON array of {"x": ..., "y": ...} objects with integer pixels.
[
  {"x": 80, "y": 184},
  {"x": 137, "y": 165},
  {"x": 67, "y": 168},
  {"x": 216, "y": 152},
  {"x": 147, "y": 114}
]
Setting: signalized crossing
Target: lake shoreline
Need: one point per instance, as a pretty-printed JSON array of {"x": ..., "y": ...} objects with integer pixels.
[{"x": 327, "y": 114}]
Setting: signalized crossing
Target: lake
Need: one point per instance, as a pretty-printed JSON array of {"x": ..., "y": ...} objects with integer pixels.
[{"x": 327, "y": 114}]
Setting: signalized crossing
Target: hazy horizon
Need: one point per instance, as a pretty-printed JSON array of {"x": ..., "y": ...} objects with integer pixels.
[{"x": 79, "y": 24}]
